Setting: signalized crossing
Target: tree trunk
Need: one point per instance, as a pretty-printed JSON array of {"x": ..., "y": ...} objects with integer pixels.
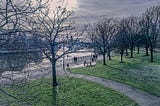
[
  {"x": 132, "y": 50},
  {"x": 54, "y": 79},
  {"x": 151, "y": 50},
  {"x": 104, "y": 59},
  {"x": 121, "y": 56},
  {"x": 147, "y": 53},
  {"x": 138, "y": 49},
  {"x": 109, "y": 55},
  {"x": 126, "y": 51}
]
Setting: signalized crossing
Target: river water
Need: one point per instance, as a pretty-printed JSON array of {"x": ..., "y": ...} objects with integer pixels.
[{"x": 16, "y": 61}]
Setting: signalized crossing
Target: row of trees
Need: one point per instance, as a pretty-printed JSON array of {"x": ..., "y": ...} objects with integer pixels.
[{"x": 127, "y": 33}]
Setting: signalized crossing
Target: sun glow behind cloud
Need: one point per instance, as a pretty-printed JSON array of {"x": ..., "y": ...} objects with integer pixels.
[
  {"x": 72, "y": 3},
  {"x": 69, "y": 4}
]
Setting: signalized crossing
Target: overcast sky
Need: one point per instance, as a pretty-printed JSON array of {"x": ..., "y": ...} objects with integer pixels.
[{"x": 94, "y": 9}]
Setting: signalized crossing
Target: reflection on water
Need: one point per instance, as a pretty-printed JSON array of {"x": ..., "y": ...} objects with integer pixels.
[{"x": 16, "y": 61}]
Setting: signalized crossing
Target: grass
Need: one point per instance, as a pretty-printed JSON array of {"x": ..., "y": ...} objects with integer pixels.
[
  {"x": 138, "y": 72},
  {"x": 73, "y": 92}
]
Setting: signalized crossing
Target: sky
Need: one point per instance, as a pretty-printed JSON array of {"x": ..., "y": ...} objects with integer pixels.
[
  {"x": 88, "y": 10},
  {"x": 91, "y": 10}
]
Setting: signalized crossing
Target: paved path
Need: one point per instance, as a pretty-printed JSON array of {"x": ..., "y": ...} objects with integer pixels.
[{"x": 141, "y": 97}]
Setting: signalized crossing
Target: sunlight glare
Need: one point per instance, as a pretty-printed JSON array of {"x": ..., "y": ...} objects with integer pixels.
[{"x": 70, "y": 4}]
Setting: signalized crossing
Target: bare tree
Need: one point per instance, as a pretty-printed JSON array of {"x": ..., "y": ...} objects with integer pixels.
[
  {"x": 57, "y": 30},
  {"x": 151, "y": 27},
  {"x": 102, "y": 35},
  {"x": 120, "y": 39},
  {"x": 13, "y": 15},
  {"x": 131, "y": 30}
]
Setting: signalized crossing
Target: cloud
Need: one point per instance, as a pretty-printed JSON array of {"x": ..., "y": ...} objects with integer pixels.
[{"x": 94, "y": 9}]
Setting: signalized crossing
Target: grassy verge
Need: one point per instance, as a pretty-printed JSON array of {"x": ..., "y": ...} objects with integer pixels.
[
  {"x": 138, "y": 72},
  {"x": 74, "y": 92}
]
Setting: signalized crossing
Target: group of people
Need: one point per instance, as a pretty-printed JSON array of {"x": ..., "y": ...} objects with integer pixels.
[
  {"x": 89, "y": 63},
  {"x": 86, "y": 63}
]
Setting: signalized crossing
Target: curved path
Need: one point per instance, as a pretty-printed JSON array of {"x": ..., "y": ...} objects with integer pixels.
[{"x": 139, "y": 96}]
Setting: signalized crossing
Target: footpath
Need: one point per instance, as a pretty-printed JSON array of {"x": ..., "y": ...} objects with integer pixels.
[{"x": 139, "y": 96}]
